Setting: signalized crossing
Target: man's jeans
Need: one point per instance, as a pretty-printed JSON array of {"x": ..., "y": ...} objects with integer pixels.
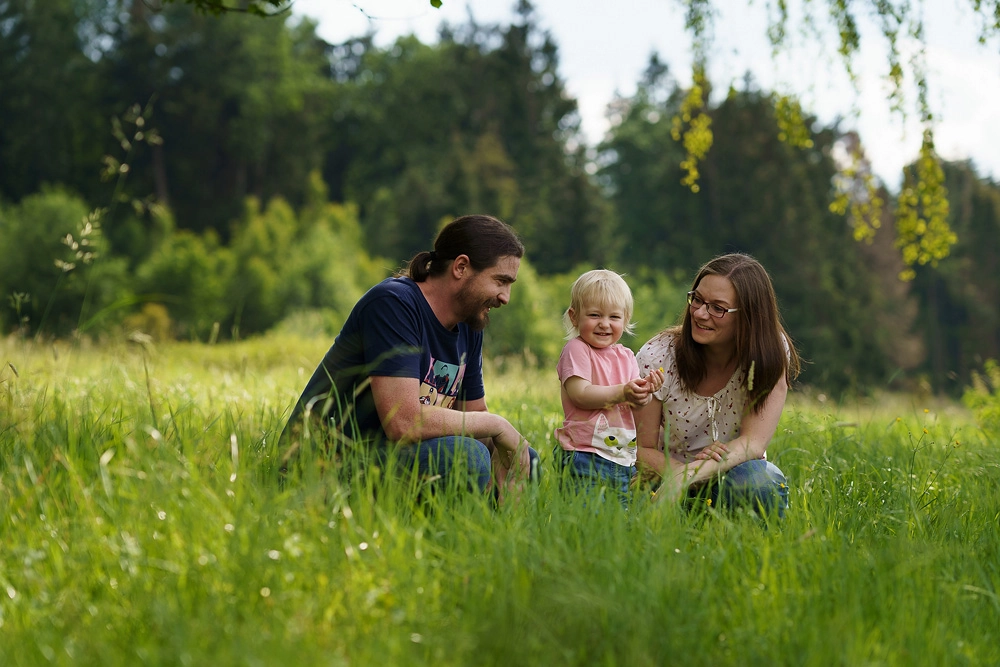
[{"x": 440, "y": 456}]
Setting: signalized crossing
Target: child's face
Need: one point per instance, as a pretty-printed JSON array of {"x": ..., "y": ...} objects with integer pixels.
[{"x": 599, "y": 326}]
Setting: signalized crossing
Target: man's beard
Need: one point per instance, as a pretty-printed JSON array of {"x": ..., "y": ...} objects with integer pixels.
[{"x": 475, "y": 314}]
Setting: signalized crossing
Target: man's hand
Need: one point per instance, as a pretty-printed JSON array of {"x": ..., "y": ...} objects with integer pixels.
[{"x": 511, "y": 462}]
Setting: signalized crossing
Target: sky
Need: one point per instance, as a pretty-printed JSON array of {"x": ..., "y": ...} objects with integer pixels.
[{"x": 604, "y": 46}]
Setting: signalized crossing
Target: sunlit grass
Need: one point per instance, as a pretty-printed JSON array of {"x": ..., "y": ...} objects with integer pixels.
[{"x": 143, "y": 524}]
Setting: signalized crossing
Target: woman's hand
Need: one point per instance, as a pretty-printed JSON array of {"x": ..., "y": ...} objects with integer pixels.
[
  {"x": 675, "y": 482},
  {"x": 717, "y": 451},
  {"x": 655, "y": 380}
]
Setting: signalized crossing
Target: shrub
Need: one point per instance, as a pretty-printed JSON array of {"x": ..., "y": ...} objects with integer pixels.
[
  {"x": 190, "y": 275},
  {"x": 55, "y": 257},
  {"x": 530, "y": 325},
  {"x": 983, "y": 398}
]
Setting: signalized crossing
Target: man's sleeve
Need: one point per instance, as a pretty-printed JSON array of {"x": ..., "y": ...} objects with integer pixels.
[
  {"x": 390, "y": 334},
  {"x": 473, "y": 386}
]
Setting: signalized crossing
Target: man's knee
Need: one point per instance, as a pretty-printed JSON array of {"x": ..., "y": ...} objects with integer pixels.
[
  {"x": 477, "y": 455},
  {"x": 476, "y": 458}
]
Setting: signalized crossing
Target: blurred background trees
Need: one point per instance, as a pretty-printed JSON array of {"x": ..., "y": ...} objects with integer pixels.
[{"x": 256, "y": 177}]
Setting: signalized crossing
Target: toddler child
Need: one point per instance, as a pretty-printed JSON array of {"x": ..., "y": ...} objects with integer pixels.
[{"x": 600, "y": 384}]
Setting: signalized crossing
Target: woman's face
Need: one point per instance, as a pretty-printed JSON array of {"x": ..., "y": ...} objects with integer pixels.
[{"x": 705, "y": 328}]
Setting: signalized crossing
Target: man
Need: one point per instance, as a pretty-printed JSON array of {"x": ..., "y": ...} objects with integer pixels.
[{"x": 406, "y": 370}]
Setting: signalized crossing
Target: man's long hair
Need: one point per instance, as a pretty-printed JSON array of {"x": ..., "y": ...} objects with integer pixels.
[{"x": 482, "y": 238}]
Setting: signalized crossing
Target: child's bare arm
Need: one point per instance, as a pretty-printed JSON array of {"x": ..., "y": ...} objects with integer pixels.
[{"x": 587, "y": 396}]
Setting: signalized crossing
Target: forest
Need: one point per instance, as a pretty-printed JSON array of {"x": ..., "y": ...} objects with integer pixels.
[{"x": 173, "y": 174}]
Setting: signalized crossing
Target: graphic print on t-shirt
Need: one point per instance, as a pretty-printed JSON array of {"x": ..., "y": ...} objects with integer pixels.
[
  {"x": 441, "y": 384},
  {"x": 614, "y": 443}
]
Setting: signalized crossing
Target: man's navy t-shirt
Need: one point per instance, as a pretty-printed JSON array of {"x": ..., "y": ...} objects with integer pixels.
[{"x": 393, "y": 332}]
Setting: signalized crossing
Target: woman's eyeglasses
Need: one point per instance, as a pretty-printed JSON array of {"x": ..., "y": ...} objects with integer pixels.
[{"x": 714, "y": 309}]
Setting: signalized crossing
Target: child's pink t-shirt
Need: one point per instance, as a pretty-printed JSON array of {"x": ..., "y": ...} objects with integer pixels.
[{"x": 609, "y": 432}]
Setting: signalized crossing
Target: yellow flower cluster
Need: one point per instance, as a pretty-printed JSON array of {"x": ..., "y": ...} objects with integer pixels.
[
  {"x": 923, "y": 233},
  {"x": 792, "y": 128},
  {"x": 693, "y": 128},
  {"x": 858, "y": 192}
]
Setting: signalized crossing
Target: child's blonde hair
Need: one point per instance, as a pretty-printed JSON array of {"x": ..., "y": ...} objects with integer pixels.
[{"x": 602, "y": 288}]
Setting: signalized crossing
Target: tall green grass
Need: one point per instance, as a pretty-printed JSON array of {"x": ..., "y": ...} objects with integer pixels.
[{"x": 143, "y": 524}]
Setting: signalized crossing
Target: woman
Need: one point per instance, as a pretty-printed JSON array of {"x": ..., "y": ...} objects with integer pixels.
[{"x": 727, "y": 369}]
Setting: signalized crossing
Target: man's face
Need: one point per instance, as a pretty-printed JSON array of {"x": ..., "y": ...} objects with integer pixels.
[{"x": 487, "y": 289}]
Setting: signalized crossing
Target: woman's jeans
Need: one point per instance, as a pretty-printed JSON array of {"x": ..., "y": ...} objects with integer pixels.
[{"x": 758, "y": 484}]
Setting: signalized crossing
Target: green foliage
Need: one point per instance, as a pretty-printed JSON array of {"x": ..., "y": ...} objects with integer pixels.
[
  {"x": 479, "y": 123},
  {"x": 983, "y": 398},
  {"x": 278, "y": 263},
  {"x": 659, "y": 303},
  {"x": 692, "y": 127},
  {"x": 54, "y": 127},
  {"x": 256, "y": 7},
  {"x": 923, "y": 232},
  {"x": 192, "y": 275},
  {"x": 958, "y": 311},
  {"x": 922, "y": 229},
  {"x": 761, "y": 196},
  {"x": 237, "y": 102},
  {"x": 287, "y": 264},
  {"x": 261, "y": 246},
  {"x": 54, "y": 253},
  {"x": 791, "y": 121},
  {"x": 858, "y": 192},
  {"x": 141, "y": 525},
  {"x": 530, "y": 325}
]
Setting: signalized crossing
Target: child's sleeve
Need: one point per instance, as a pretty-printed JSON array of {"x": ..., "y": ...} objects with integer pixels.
[{"x": 574, "y": 361}]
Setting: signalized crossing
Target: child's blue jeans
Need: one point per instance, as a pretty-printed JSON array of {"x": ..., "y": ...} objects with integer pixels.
[{"x": 589, "y": 471}]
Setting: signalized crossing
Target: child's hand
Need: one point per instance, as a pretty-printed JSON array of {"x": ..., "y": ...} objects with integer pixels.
[{"x": 636, "y": 393}]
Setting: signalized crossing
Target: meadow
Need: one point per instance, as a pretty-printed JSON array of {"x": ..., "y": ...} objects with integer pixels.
[{"x": 143, "y": 524}]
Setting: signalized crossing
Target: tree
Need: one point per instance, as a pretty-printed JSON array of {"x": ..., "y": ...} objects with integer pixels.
[
  {"x": 480, "y": 122},
  {"x": 960, "y": 301},
  {"x": 925, "y": 236},
  {"x": 53, "y": 129},
  {"x": 264, "y": 8},
  {"x": 236, "y": 101},
  {"x": 757, "y": 195}
]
